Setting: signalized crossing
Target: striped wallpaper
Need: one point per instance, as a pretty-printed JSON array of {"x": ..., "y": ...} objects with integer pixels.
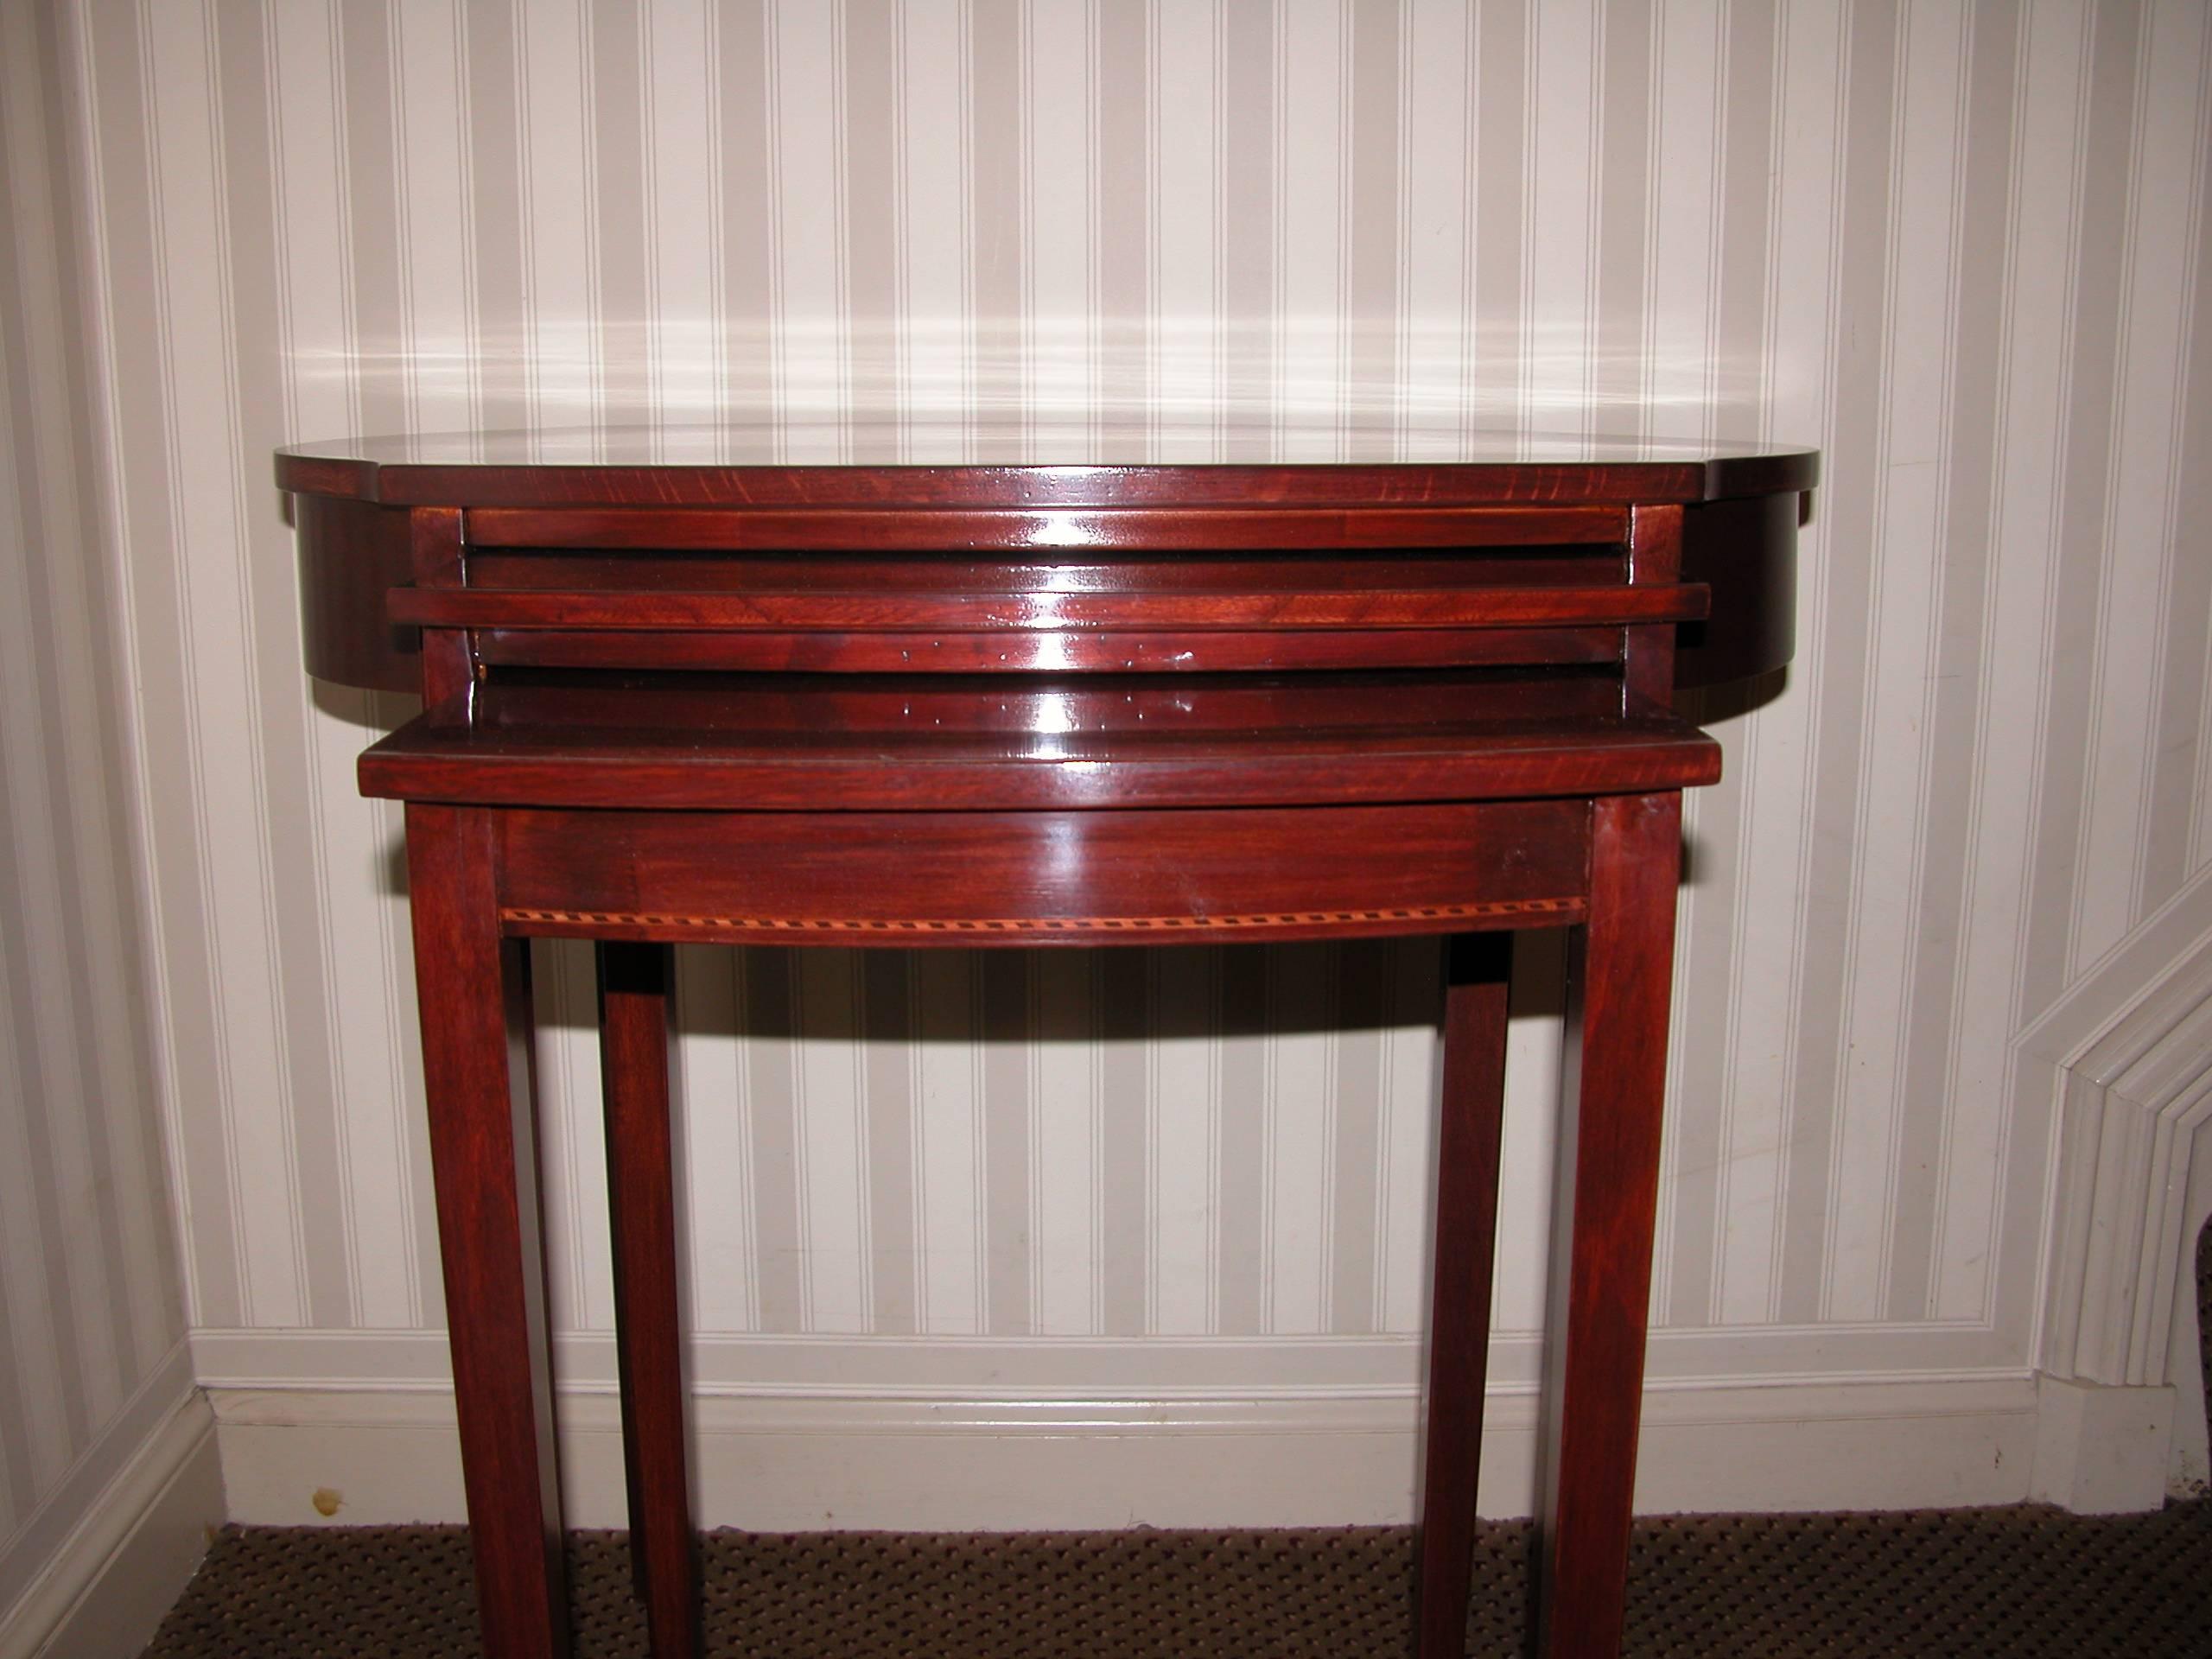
[
  {"x": 91, "y": 1331},
  {"x": 1957, "y": 245}
]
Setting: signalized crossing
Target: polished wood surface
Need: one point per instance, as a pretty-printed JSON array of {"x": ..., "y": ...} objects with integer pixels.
[
  {"x": 1108, "y": 490},
  {"x": 634, "y": 989},
  {"x": 1477, "y": 972},
  {"x": 1620, "y": 972},
  {"x": 473, "y": 988},
  {"x": 449, "y": 661},
  {"x": 980, "y": 530},
  {"x": 1109, "y": 742},
  {"x": 1234, "y": 611},
  {"x": 1131, "y": 877},
  {"x": 1105, "y": 651},
  {"x": 924, "y": 464},
  {"x": 350, "y": 554},
  {"x": 982, "y": 686}
]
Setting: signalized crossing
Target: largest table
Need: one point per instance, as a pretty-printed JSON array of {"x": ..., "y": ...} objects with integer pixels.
[{"x": 913, "y": 686}]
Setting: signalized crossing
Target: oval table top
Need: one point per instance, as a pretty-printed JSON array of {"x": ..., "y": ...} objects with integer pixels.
[{"x": 1111, "y": 464}]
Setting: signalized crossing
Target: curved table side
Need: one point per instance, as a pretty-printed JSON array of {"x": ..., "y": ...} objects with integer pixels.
[{"x": 353, "y": 548}]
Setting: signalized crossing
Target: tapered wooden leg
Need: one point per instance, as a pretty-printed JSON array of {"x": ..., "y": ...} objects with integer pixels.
[
  {"x": 1479, "y": 965},
  {"x": 473, "y": 991},
  {"x": 633, "y": 981},
  {"x": 1620, "y": 983}
]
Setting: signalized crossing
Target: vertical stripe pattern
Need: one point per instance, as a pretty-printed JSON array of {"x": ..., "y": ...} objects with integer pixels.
[
  {"x": 1958, "y": 244},
  {"x": 91, "y": 1316}
]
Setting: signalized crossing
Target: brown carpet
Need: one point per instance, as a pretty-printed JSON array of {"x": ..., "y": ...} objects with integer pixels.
[
  {"x": 2028, "y": 1581},
  {"x": 2023, "y": 1581}
]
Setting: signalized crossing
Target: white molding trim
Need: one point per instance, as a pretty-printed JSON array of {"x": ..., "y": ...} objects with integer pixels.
[
  {"x": 806, "y": 1459},
  {"x": 2131, "y": 1048},
  {"x": 960, "y": 1366},
  {"x": 45, "y": 1536},
  {"x": 2101, "y": 1450},
  {"x": 103, "y": 1592},
  {"x": 2110, "y": 987},
  {"x": 2135, "y": 1104}
]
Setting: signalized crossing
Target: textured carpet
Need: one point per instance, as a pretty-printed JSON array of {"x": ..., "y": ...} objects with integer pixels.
[
  {"x": 2016, "y": 1582},
  {"x": 2012, "y": 1581}
]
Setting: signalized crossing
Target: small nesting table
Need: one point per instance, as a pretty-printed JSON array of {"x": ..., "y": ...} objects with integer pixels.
[{"x": 1089, "y": 688}]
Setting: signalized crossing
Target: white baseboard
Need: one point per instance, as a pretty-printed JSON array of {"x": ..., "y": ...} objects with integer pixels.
[
  {"x": 364, "y": 1455},
  {"x": 103, "y": 1592},
  {"x": 1116, "y": 1367},
  {"x": 2101, "y": 1450}
]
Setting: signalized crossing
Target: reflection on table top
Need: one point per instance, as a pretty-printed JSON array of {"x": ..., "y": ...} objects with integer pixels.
[{"x": 1042, "y": 459}]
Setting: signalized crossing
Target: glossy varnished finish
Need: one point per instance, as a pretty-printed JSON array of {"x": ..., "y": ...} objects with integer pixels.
[
  {"x": 1477, "y": 970},
  {"x": 1131, "y": 877},
  {"x": 473, "y": 986},
  {"x": 449, "y": 664},
  {"x": 1039, "y": 529},
  {"x": 790, "y": 685},
  {"x": 1104, "y": 651},
  {"x": 1655, "y": 558},
  {"x": 352, "y": 553},
  {"x": 1107, "y": 743},
  {"x": 1059, "y": 493},
  {"x": 1227, "y": 611},
  {"x": 1620, "y": 972},
  {"x": 634, "y": 989},
  {"x": 653, "y": 569},
  {"x": 1743, "y": 551},
  {"x": 860, "y": 467}
]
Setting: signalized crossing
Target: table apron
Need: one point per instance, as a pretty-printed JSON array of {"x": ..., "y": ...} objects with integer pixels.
[{"x": 1043, "y": 878}]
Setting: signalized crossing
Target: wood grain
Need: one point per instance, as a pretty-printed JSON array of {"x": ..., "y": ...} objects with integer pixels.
[
  {"x": 1131, "y": 530},
  {"x": 633, "y": 991},
  {"x": 1223, "y": 611},
  {"x": 1479, "y": 969},
  {"x": 1078, "y": 877},
  {"x": 651, "y": 570},
  {"x": 1655, "y": 559},
  {"x": 1103, "y": 652},
  {"x": 1407, "y": 740},
  {"x": 1744, "y": 551},
  {"x": 1620, "y": 977},
  {"x": 448, "y": 656},
  {"x": 1618, "y": 477},
  {"x": 1022, "y": 704},
  {"x": 473, "y": 988},
  {"x": 349, "y": 553}
]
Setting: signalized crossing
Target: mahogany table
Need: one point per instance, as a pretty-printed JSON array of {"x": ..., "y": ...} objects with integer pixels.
[{"x": 760, "y": 684}]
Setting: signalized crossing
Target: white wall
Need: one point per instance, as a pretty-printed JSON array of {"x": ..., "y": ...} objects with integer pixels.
[
  {"x": 96, "y": 1397},
  {"x": 1958, "y": 246}
]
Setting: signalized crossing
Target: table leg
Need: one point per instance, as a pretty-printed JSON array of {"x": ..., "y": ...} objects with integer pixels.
[
  {"x": 633, "y": 982},
  {"x": 1478, "y": 967},
  {"x": 1619, "y": 982},
  {"x": 474, "y": 990}
]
